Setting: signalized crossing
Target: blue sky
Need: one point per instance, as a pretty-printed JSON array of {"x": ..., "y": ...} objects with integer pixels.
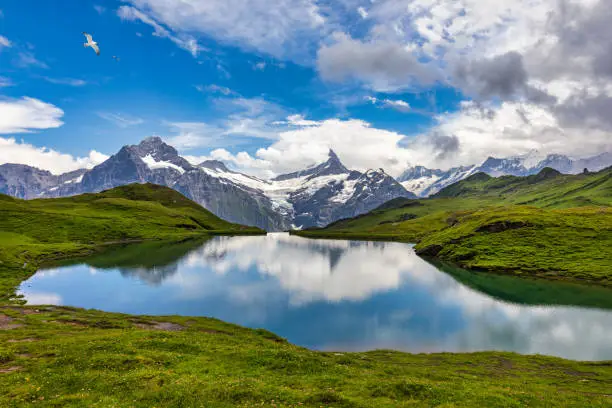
[{"x": 386, "y": 84}]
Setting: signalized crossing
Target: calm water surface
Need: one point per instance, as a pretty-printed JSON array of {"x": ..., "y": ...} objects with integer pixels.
[{"x": 325, "y": 295}]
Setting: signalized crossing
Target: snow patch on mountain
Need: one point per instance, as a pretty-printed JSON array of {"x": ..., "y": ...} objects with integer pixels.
[
  {"x": 425, "y": 182},
  {"x": 160, "y": 164}
]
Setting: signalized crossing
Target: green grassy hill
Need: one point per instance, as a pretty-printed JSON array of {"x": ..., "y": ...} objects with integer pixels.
[
  {"x": 61, "y": 356},
  {"x": 67, "y": 357},
  {"x": 549, "y": 225},
  {"x": 549, "y": 188},
  {"x": 34, "y": 231}
]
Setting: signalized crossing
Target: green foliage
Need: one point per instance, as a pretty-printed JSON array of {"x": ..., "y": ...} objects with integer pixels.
[
  {"x": 70, "y": 357},
  {"x": 38, "y": 231}
]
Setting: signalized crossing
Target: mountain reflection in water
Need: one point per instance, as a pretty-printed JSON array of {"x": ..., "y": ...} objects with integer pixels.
[{"x": 334, "y": 295}]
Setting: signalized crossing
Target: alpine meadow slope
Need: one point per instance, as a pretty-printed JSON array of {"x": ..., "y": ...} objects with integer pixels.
[
  {"x": 35, "y": 231},
  {"x": 63, "y": 356},
  {"x": 547, "y": 225}
]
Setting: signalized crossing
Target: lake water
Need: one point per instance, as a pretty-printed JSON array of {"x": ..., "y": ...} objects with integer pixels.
[{"x": 334, "y": 295}]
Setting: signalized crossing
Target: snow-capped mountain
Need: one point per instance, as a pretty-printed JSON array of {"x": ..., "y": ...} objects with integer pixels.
[
  {"x": 316, "y": 196},
  {"x": 425, "y": 182},
  {"x": 312, "y": 197},
  {"x": 28, "y": 182}
]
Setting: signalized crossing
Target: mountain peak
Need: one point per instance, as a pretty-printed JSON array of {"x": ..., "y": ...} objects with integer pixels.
[
  {"x": 152, "y": 140},
  {"x": 214, "y": 165},
  {"x": 333, "y": 165},
  {"x": 155, "y": 147}
]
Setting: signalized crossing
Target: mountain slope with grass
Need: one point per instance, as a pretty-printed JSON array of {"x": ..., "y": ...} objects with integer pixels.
[
  {"x": 69, "y": 357},
  {"x": 548, "y": 188},
  {"x": 36, "y": 230},
  {"x": 547, "y": 225}
]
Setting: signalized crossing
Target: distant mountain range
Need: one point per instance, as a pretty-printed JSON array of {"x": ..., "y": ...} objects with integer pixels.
[
  {"x": 312, "y": 197},
  {"x": 424, "y": 182}
]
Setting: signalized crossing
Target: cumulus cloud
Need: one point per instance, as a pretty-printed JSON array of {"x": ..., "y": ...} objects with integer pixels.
[
  {"x": 383, "y": 65},
  {"x": 465, "y": 137},
  {"x": 359, "y": 145},
  {"x": 509, "y": 129},
  {"x": 503, "y": 76},
  {"x": 120, "y": 119},
  {"x": 13, "y": 151},
  {"x": 290, "y": 27},
  {"x": 28, "y": 114},
  {"x": 184, "y": 41},
  {"x": 541, "y": 70}
]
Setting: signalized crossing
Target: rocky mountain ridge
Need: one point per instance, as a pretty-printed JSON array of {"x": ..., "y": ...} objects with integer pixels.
[{"x": 312, "y": 197}]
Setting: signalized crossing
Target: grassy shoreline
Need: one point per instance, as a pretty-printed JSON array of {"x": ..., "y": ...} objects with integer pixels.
[
  {"x": 37, "y": 231},
  {"x": 568, "y": 245},
  {"x": 550, "y": 226},
  {"x": 62, "y": 356},
  {"x": 71, "y": 357}
]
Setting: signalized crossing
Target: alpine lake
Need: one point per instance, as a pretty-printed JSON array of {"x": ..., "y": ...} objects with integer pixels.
[{"x": 336, "y": 295}]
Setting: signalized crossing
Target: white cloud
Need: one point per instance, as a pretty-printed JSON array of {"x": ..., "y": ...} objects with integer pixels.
[
  {"x": 546, "y": 63},
  {"x": 28, "y": 114},
  {"x": 99, "y": 9},
  {"x": 396, "y": 104},
  {"x": 4, "y": 42},
  {"x": 12, "y": 151},
  {"x": 120, "y": 119},
  {"x": 508, "y": 129},
  {"x": 465, "y": 137},
  {"x": 184, "y": 41},
  {"x": 66, "y": 81},
  {"x": 359, "y": 146},
  {"x": 382, "y": 65},
  {"x": 286, "y": 28}
]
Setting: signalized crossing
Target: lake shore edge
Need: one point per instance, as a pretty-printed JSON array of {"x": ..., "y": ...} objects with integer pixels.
[
  {"x": 66, "y": 356},
  {"x": 542, "y": 276},
  {"x": 497, "y": 240}
]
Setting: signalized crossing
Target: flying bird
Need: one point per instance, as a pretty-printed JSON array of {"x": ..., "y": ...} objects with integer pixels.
[{"x": 91, "y": 43}]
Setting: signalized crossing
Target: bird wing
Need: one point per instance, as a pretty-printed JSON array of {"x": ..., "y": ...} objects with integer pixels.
[
  {"x": 96, "y": 49},
  {"x": 88, "y": 36}
]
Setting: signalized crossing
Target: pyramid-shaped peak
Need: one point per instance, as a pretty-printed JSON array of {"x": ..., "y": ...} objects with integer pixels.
[
  {"x": 155, "y": 146},
  {"x": 333, "y": 165},
  {"x": 152, "y": 141}
]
